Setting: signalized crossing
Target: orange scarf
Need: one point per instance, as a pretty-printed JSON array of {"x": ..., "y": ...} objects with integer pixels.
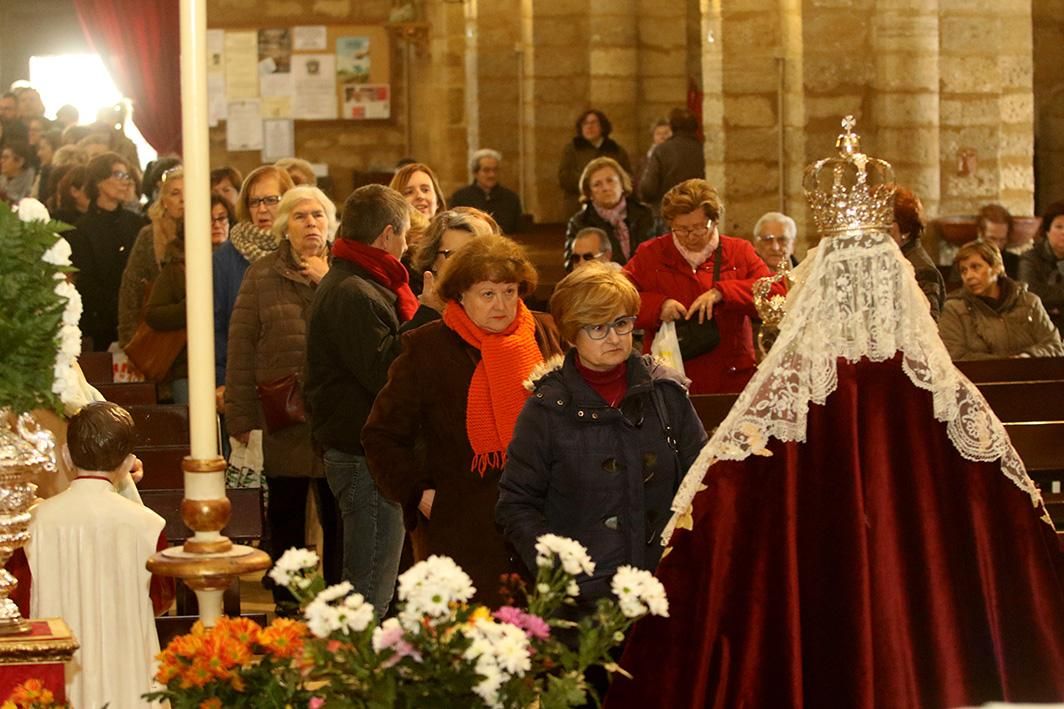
[{"x": 496, "y": 392}]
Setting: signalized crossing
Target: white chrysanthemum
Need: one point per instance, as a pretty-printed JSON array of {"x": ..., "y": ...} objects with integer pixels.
[
  {"x": 322, "y": 619},
  {"x": 292, "y": 566},
  {"x": 500, "y": 651},
  {"x": 355, "y": 614},
  {"x": 571, "y": 553},
  {"x": 59, "y": 254},
  {"x": 30, "y": 210},
  {"x": 351, "y": 614},
  {"x": 431, "y": 586},
  {"x": 639, "y": 593},
  {"x": 334, "y": 592}
]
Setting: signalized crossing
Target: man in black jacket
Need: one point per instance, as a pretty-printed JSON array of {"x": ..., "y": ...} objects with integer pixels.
[
  {"x": 353, "y": 336},
  {"x": 677, "y": 159},
  {"x": 487, "y": 195}
]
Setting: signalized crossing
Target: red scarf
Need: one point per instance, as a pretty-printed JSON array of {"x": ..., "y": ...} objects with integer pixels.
[
  {"x": 496, "y": 392},
  {"x": 384, "y": 269}
]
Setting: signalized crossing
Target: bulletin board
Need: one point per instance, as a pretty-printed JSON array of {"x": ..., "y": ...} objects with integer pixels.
[{"x": 262, "y": 79}]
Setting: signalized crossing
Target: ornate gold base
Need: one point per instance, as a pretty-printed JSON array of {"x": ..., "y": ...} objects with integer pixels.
[
  {"x": 52, "y": 643},
  {"x": 14, "y": 626}
]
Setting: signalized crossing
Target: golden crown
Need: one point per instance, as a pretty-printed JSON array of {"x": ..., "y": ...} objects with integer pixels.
[{"x": 850, "y": 191}]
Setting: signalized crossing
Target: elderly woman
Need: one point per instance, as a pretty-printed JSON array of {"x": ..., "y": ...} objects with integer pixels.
[
  {"x": 1042, "y": 267},
  {"x": 606, "y": 192},
  {"x": 249, "y": 240},
  {"x": 436, "y": 438},
  {"x": 16, "y": 170},
  {"x": 599, "y": 450},
  {"x": 448, "y": 231},
  {"x": 149, "y": 251},
  {"x": 267, "y": 351},
  {"x": 418, "y": 185},
  {"x": 101, "y": 244},
  {"x": 907, "y": 228},
  {"x": 774, "y": 237},
  {"x": 993, "y": 316},
  {"x": 222, "y": 219},
  {"x": 695, "y": 274},
  {"x": 592, "y": 140}
]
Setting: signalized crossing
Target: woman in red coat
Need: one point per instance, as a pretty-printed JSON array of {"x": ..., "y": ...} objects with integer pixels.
[{"x": 675, "y": 277}]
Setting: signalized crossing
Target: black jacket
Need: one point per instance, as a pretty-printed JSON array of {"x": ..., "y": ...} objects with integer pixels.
[
  {"x": 501, "y": 203},
  {"x": 641, "y": 227},
  {"x": 677, "y": 159},
  {"x": 352, "y": 338},
  {"x": 927, "y": 275},
  {"x": 1044, "y": 275},
  {"x": 600, "y": 475},
  {"x": 100, "y": 247}
]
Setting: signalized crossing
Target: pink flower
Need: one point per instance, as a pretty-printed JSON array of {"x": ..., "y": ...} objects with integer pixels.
[
  {"x": 316, "y": 703},
  {"x": 533, "y": 625}
]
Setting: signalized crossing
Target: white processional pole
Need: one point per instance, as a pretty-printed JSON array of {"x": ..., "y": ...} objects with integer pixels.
[{"x": 208, "y": 561}]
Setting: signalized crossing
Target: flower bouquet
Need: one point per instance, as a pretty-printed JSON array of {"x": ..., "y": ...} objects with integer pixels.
[{"x": 438, "y": 651}]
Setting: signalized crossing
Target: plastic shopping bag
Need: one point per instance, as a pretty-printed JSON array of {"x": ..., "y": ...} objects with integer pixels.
[{"x": 666, "y": 346}]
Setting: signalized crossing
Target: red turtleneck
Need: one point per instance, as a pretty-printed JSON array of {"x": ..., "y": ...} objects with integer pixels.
[{"x": 611, "y": 385}]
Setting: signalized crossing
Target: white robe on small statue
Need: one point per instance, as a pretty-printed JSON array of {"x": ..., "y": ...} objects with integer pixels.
[{"x": 87, "y": 555}]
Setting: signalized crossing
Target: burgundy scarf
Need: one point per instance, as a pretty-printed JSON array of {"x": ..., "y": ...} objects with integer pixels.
[{"x": 384, "y": 269}]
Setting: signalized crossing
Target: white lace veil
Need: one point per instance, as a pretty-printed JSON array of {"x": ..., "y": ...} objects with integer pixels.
[{"x": 855, "y": 296}]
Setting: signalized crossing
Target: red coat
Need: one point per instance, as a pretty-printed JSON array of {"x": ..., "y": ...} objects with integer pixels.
[{"x": 660, "y": 272}]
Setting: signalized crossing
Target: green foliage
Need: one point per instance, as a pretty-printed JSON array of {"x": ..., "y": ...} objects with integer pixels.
[{"x": 31, "y": 313}]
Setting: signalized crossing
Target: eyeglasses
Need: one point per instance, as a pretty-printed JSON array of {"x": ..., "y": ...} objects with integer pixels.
[
  {"x": 692, "y": 231},
  {"x": 270, "y": 201},
  {"x": 587, "y": 257},
  {"x": 446, "y": 253},
  {"x": 621, "y": 326},
  {"x": 779, "y": 240},
  {"x": 224, "y": 219},
  {"x": 121, "y": 176}
]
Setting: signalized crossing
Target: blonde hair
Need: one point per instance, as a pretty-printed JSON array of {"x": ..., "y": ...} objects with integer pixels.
[
  {"x": 467, "y": 219},
  {"x": 594, "y": 166},
  {"x": 419, "y": 224},
  {"x": 293, "y": 197},
  {"x": 591, "y": 295},
  {"x": 984, "y": 250},
  {"x": 690, "y": 195},
  {"x": 301, "y": 166}
]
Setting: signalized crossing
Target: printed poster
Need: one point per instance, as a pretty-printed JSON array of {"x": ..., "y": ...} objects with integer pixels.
[
  {"x": 352, "y": 60},
  {"x": 241, "y": 66},
  {"x": 367, "y": 101},
  {"x": 243, "y": 128},
  {"x": 310, "y": 38},
  {"x": 275, "y": 51},
  {"x": 314, "y": 87}
]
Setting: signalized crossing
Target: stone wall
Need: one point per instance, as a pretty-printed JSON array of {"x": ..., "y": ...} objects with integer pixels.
[{"x": 1048, "y": 40}]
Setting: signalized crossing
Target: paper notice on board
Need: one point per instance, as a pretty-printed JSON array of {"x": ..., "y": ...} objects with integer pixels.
[
  {"x": 314, "y": 86},
  {"x": 216, "y": 51},
  {"x": 352, "y": 60},
  {"x": 275, "y": 50},
  {"x": 216, "y": 101},
  {"x": 276, "y": 107},
  {"x": 241, "y": 65},
  {"x": 309, "y": 38},
  {"x": 243, "y": 128},
  {"x": 275, "y": 84},
  {"x": 278, "y": 139},
  {"x": 367, "y": 101}
]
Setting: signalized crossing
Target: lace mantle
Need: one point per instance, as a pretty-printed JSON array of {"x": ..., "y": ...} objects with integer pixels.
[{"x": 855, "y": 296}]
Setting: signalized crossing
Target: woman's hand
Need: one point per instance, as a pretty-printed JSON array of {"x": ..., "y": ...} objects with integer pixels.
[
  {"x": 672, "y": 310},
  {"x": 219, "y": 399},
  {"x": 425, "y": 506},
  {"x": 315, "y": 268},
  {"x": 429, "y": 297},
  {"x": 703, "y": 305}
]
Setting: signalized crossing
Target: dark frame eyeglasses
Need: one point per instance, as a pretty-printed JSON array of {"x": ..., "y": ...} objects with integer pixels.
[
  {"x": 587, "y": 257},
  {"x": 621, "y": 326},
  {"x": 269, "y": 201}
]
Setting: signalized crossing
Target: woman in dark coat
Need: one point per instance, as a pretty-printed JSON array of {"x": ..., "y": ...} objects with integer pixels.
[
  {"x": 609, "y": 205},
  {"x": 592, "y": 141},
  {"x": 436, "y": 437},
  {"x": 590, "y": 458},
  {"x": 268, "y": 342}
]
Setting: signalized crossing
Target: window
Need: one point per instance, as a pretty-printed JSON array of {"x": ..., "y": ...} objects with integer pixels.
[{"x": 82, "y": 81}]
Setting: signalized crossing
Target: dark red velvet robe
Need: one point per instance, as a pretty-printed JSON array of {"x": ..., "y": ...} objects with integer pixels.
[{"x": 872, "y": 566}]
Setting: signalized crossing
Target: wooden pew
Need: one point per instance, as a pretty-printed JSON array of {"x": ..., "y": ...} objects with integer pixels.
[
  {"x": 1023, "y": 369},
  {"x": 97, "y": 367},
  {"x": 160, "y": 424},
  {"x": 128, "y": 393}
]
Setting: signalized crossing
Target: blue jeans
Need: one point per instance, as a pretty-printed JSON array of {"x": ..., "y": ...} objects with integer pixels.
[{"x": 373, "y": 528}]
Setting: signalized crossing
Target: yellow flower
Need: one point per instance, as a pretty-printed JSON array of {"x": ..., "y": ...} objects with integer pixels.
[{"x": 480, "y": 614}]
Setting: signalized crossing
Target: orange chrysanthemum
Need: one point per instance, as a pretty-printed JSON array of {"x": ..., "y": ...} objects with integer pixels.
[
  {"x": 243, "y": 630},
  {"x": 31, "y": 692},
  {"x": 212, "y": 703},
  {"x": 283, "y": 638}
]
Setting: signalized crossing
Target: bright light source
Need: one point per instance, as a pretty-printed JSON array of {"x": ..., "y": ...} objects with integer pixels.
[{"x": 82, "y": 81}]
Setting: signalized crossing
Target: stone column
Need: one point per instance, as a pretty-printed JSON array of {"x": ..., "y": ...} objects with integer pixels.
[
  {"x": 613, "y": 67},
  {"x": 905, "y": 102},
  {"x": 987, "y": 105},
  {"x": 663, "y": 69}
]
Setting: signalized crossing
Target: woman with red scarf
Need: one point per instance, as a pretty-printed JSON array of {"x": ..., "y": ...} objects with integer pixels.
[{"x": 436, "y": 437}]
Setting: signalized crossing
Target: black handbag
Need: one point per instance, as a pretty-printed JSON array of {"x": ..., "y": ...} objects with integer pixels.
[{"x": 696, "y": 339}]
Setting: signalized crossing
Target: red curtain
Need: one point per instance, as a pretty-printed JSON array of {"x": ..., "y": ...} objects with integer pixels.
[
  {"x": 871, "y": 567},
  {"x": 140, "y": 44}
]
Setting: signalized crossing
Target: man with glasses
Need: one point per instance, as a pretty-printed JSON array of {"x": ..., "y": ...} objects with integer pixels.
[
  {"x": 591, "y": 244},
  {"x": 774, "y": 237}
]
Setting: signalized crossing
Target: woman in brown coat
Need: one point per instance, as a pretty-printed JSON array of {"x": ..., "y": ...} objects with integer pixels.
[
  {"x": 268, "y": 342},
  {"x": 436, "y": 438},
  {"x": 993, "y": 316}
]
